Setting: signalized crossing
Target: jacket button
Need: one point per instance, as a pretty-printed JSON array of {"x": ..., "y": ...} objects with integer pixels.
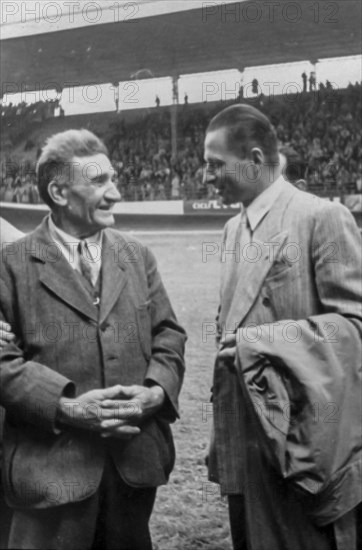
[{"x": 266, "y": 302}]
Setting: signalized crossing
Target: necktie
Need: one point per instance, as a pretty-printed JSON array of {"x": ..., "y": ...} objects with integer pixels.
[
  {"x": 245, "y": 235},
  {"x": 85, "y": 262}
]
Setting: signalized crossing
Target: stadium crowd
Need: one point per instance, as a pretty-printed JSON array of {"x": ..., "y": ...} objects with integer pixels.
[
  {"x": 39, "y": 111},
  {"x": 319, "y": 132}
]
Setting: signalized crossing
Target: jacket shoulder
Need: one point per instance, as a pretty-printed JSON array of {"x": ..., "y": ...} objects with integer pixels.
[
  {"x": 122, "y": 237},
  {"x": 313, "y": 202},
  {"x": 130, "y": 247},
  {"x": 306, "y": 205},
  {"x": 16, "y": 252}
]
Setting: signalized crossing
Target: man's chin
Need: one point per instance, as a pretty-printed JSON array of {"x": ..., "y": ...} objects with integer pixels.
[
  {"x": 106, "y": 219},
  {"x": 226, "y": 201},
  {"x": 225, "y": 198}
]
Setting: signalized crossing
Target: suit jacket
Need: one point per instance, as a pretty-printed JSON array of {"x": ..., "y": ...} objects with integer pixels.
[
  {"x": 8, "y": 234},
  {"x": 69, "y": 345},
  {"x": 310, "y": 418},
  {"x": 308, "y": 265}
]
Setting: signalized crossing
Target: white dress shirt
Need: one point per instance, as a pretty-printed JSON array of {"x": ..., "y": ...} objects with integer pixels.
[
  {"x": 68, "y": 245},
  {"x": 252, "y": 216}
]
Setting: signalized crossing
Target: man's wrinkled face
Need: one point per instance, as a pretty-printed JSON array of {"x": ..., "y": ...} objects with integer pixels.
[
  {"x": 90, "y": 194},
  {"x": 233, "y": 176}
]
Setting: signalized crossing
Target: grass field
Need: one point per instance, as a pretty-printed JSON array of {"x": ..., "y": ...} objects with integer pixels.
[{"x": 189, "y": 512}]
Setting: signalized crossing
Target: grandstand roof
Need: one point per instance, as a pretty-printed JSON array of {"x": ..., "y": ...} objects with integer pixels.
[{"x": 215, "y": 37}]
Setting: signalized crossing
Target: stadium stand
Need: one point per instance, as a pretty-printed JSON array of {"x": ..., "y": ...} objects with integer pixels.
[{"x": 319, "y": 133}]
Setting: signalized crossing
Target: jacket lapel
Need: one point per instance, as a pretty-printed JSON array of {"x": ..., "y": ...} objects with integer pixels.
[
  {"x": 57, "y": 275},
  {"x": 269, "y": 240},
  {"x": 114, "y": 275}
]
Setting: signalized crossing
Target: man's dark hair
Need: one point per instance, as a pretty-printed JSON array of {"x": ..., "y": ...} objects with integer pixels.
[
  {"x": 55, "y": 161},
  {"x": 247, "y": 128}
]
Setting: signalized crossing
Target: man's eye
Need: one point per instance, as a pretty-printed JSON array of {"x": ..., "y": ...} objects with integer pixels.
[{"x": 98, "y": 182}]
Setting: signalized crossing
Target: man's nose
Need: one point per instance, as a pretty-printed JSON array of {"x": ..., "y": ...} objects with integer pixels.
[{"x": 112, "y": 193}]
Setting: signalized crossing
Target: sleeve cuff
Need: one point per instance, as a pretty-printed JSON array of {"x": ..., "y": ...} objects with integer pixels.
[
  {"x": 168, "y": 411},
  {"x": 68, "y": 391}
]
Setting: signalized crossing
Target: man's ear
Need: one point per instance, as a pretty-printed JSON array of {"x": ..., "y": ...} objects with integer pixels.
[
  {"x": 257, "y": 156},
  {"x": 58, "y": 193}
]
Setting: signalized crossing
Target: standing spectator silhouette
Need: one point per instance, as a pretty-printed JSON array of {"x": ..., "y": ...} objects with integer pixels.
[
  {"x": 312, "y": 81},
  {"x": 175, "y": 186}
]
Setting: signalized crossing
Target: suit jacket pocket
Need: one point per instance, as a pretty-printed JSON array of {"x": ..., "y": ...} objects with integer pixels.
[
  {"x": 145, "y": 328},
  {"x": 281, "y": 273},
  {"x": 147, "y": 459},
  {"x": 44, "y": 470}
]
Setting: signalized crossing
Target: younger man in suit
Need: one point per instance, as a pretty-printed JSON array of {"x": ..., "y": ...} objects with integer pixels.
[{"x": 291, "y": 274}]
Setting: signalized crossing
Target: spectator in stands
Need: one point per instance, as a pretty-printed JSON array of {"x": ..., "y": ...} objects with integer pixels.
[
  {"x": 359, "y": 182},
  {"x": 17, "y": 191},
  {"x": 255, "y": 86},
  {"x": 160, "y": 190},
  {"x": 25, "y": 192},
  {"x": 34, "y": 197},
  {"x": 175, "y": 186},
  {"x": 7, "y": 192},
  {"x": 312, "y": 81}
]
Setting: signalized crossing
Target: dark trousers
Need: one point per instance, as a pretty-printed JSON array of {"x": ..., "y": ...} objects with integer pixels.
[
  {"x": 116, "y": 517},
  {"x": 344, "y": 534},
  {"x": 5, "y": 519},
  {"x": 237, "y": 522}
]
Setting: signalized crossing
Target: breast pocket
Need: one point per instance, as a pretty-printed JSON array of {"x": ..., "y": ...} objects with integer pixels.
[
  {"x": 144, "y": 323},
  {"x": 280, "y": 274}
]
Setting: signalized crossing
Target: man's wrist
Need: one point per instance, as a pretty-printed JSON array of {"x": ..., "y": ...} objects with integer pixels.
[
  {"x": 64, "y": 404},
  {"x": 63, "y": 410},
  {"x": 159, "y": 394}
]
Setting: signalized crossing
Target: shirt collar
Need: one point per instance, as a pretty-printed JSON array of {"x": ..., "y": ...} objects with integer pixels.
[
  {"x": 261, "y": 205},
  {"x": 67, "y": 242}
]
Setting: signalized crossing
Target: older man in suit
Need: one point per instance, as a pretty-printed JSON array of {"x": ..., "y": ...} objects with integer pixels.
[
  {"x": 91, "y": 382},
  {"x": 289, "y": 334}
]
